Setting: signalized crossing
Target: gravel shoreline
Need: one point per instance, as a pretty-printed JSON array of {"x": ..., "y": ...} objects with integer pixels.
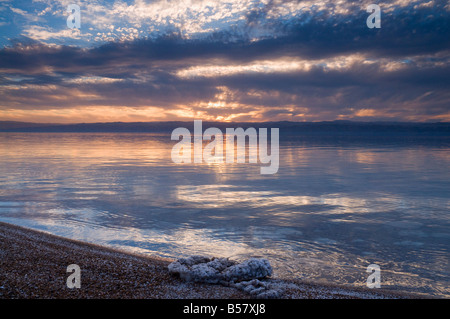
[{"x": 33, "y": 266}]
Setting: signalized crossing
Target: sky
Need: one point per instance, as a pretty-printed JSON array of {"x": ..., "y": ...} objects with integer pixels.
[{"x": 233, "y": 61}]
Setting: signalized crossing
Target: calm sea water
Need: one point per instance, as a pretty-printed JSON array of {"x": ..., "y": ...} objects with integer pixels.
[{"x": 333, "y": 208}]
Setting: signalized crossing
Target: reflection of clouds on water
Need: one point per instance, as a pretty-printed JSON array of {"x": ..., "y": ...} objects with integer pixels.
[
  {"x": 328, "y": 213},
  {"x": 221, "y": 196}
]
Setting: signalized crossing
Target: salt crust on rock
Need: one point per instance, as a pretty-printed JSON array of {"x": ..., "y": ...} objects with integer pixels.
[{"x": 243, "y": 276}]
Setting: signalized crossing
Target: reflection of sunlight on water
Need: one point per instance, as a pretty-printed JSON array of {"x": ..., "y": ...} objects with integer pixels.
[
  {"x": 88, "y": 148},
  {"x": 367, "y": 157}
]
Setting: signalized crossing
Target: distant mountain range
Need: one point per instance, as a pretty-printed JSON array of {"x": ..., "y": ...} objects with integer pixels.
[{"x": 286, "y": 127}]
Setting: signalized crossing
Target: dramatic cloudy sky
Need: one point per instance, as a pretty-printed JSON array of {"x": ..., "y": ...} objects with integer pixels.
[{"x": 232, "y": 60}]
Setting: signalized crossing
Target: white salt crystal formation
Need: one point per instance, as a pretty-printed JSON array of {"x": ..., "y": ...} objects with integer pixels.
[
  {"x": 243, "y": 276},
  {"x": 217, "y": 270},
  {"x": 259, "y": 289},
  {"x": 200, "y": 269}
]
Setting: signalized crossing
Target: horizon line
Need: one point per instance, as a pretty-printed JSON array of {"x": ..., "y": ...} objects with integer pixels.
[{"x": 226, "y": 122}]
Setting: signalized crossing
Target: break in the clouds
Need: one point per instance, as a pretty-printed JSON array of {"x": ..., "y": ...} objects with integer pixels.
[{"x": 224, "y": 60}]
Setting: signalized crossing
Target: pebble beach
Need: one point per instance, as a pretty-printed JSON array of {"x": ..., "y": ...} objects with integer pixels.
[{"x": 33, "y": 265}]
